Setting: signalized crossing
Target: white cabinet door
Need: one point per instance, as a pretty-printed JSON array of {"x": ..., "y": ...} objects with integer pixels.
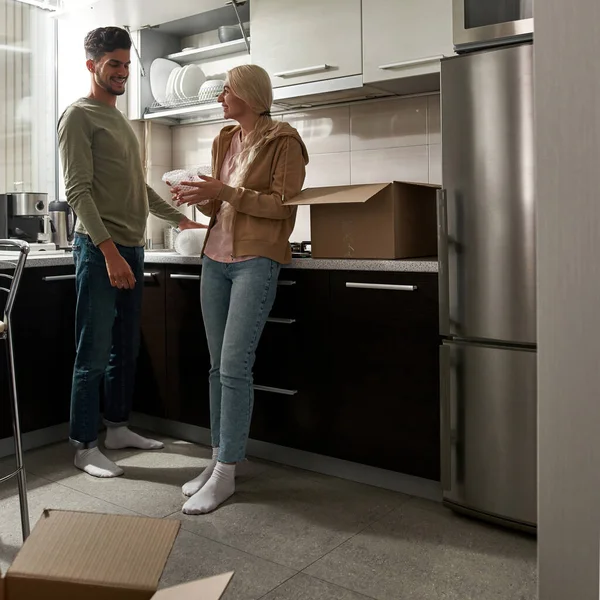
[
  {"x": 307, "y": 40},
  {"x": 404, "y": 38},
  {"x": 139, "y": 13}
]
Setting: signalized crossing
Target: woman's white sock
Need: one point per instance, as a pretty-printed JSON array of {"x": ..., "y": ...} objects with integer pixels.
[
  {"x": 195, "y": 485},
  {"x": 219, "y": 488}
]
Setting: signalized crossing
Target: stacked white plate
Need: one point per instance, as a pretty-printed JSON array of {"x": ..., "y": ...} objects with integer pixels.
[
  {"x": 171, "y": 83},
  {"x": 162, "y": 72}
]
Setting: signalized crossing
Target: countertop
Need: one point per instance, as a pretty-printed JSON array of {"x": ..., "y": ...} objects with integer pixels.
[{"x": 423, "y": 265}]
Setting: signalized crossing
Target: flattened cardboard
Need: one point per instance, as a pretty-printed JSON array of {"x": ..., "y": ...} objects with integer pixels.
[
  {"x": 374, "y": 221},
  {"x": 211, "y": 588},
  {"x": 73, "y": 555}
]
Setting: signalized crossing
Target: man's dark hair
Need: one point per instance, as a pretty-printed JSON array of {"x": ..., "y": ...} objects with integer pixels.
[{"x": 104, "y": 40}]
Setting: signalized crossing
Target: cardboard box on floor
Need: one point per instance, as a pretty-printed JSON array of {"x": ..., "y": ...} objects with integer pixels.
[
  {"x": 380, "y": 221},
  {"x": 86, "y": 556}
]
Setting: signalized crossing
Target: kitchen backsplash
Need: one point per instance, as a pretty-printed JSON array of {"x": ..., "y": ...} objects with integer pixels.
[{"x": 370, "y": 142}]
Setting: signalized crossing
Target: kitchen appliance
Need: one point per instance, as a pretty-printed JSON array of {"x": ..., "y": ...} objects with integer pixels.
[
  {"x": 301, "y": 249},
  {"x": 24, "y": 216},
  {"x": 484, "y": 23},
  {"x": 63, "y": 223},
  {"x": 487, "y": 286}
]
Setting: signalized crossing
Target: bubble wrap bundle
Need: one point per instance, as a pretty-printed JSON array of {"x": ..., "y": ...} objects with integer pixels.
[
  {"x": 190, "y": 241},
  {"x": 174, "y": 178}
]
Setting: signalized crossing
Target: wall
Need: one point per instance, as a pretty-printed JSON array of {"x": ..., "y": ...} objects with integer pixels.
[
  {"x": 363, "y": 143},
  {"x": 567, "y": 86},
  {"x": 27, "y": 138}
]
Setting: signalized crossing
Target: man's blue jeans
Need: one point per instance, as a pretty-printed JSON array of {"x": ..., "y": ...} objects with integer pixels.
[
  {"x": 108, "y": 337},
  {"x": 236, "y": 301}
]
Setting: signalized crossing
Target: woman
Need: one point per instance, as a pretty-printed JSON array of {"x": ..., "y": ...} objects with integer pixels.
[{"x": 258, "y": 164}]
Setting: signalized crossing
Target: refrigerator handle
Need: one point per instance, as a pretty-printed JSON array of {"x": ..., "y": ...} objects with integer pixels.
[
  {"x": 445, "y": 420},
  {"x": 443, "y": 274}
]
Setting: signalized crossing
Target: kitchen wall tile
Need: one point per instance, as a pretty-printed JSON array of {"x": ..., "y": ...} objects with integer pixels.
[
  {"x": 434, "y": 120},
  {"x": 161, "y": 145},
  {"x": 323, "y": 131},
  {"x": 389, "y": 124},
  {"x": 435, "y": 164},
  {"x": 328, "y": 169},
  {"x": 138, "y": 129},
  {"x": 301, "y": 231},
  {"x": 402, "y": 164},
  {"x": 192, "y": 145}
]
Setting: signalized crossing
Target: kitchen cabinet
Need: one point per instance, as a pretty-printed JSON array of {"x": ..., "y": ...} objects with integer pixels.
[
  {"x": 291, "y": 373},
  {"x": 385, "y": 373},
  {"x": 302, "y": 42},
  {"x": 151, "y": 394},
  {"x": 44, "y": 342},
  {"x": 406, "y": 39},
  {"x": 187, "y": 357}
]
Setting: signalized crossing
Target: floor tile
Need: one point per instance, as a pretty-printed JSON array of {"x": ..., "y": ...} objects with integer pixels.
[
  {"x": 303, "y": 587},
  {"x": 152, "y": 481},
  {"x": 194, "y": 557},
  {"x": 293, "y": 518},
  {"x": 42, "y": 494},
  {"x": 422, "y": 551}
]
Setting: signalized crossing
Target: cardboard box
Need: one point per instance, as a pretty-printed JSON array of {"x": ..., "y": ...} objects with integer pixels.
[
  {"x": 86, "y": 556},
  {"x": 379, "y": 221}
]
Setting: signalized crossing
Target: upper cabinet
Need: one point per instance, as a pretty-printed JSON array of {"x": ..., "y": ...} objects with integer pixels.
[
  {"x": 404, "y": 39},
  {"x": 306, "y": 41},
  {"x": 138, "y": 13}
]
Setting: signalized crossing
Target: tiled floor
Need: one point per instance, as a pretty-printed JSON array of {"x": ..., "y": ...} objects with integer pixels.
[{"x": 289, "y": 534}]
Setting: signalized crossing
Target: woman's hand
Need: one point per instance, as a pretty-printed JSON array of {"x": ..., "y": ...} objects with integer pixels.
[{"x": 207, "y": 189}]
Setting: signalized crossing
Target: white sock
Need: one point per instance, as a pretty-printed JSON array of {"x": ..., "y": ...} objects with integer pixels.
[
  {"x": 122, "y": 437},
  {"x": 94, "y": 463},
  {"x": 217, "y": 490},
  {"x": 195, "y": 485}
]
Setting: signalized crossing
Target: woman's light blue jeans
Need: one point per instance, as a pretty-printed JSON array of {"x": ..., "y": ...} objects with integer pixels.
[{"x": 236, "y": 300}]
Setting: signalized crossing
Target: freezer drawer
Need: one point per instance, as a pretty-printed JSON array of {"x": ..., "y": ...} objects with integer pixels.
[
  {"x": 489, "y": 430},
  {"x": 488, "y": 270}
]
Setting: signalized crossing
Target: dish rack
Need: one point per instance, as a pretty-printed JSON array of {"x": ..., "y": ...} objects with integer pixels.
[
  {"x": 9, "y": 284},
  {"x": 203, "y": 98}
]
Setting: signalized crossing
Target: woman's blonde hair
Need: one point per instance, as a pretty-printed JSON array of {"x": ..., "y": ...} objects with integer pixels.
[{"x": 252, "y": 85}]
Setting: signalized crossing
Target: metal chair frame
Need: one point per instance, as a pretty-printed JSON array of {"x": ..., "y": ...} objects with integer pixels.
[{"x": 6, "y": 334}]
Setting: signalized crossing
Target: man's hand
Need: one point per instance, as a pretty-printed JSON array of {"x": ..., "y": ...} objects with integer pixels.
[
  {"x": 119, "y": 272},
  {"x": 207, "y": 189},
  {"x": 186, "y": 223}
]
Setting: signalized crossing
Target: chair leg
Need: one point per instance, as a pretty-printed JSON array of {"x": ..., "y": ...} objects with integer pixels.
[{"x": 21, "y": 476}]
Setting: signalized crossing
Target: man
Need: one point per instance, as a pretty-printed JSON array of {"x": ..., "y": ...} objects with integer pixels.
[{"x": 105, "y": 185}]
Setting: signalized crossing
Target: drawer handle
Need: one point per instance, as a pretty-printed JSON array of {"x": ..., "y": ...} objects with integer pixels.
[
  {"x": 410, "y": 63},
  {"x": 186, "y": 276},
  {"x": 286, "y": 282},
  {"x": 49, "y": 278},
  {"x": 150, "y": 275},
  {"x": 303, "y": 71},
  {"x": 281, "y": 321},
  {"x": 381, "y": 286},
  {"x": 274, "y": 390}
]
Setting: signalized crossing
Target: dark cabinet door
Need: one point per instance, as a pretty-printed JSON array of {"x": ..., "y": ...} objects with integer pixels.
[
  {"x": 151, "y": 395},
  {"x": 188, "y": 360},
  {"x": 291, "y": 371},
  {"x": 44, "y": 340},
  {"x": 385, "y": 373}
]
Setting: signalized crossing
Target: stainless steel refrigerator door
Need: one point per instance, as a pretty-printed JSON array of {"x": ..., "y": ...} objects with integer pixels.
[
  {"x": 488, "y": 177},
  {"x": 489, "y": 431}
]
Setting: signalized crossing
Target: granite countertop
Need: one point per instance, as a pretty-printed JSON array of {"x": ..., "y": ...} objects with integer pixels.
[{"x": 423, "y": 265}]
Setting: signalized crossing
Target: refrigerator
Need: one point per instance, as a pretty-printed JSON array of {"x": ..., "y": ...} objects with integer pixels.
[{"x": 487, "y": 286}]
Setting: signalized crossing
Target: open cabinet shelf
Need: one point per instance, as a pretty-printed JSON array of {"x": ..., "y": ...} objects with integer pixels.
[{"x": 208, "y": 52}]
